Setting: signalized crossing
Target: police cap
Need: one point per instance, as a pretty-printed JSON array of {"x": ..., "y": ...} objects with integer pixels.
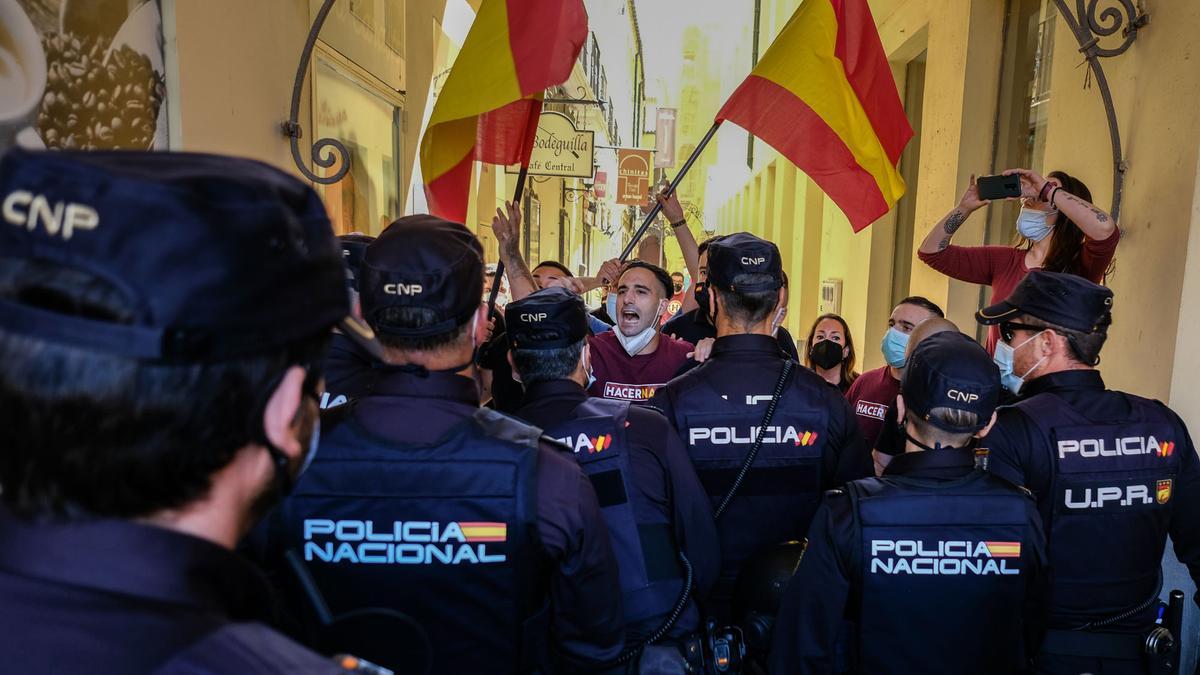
[
  {"x": 547, "y": 319},
  {"x": 422, "y": 262},
  {"x": 354, "y": 247},
  {"x": 950, "y": 370},
  {"x": 739, "y": 254},
  {"x": 219, "y": 258},
  {"x": 1062, "y": 299}
]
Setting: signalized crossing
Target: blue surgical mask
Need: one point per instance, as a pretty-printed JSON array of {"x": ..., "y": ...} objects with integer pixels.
[
  {"x": 894, "y": 344},
  {"x": 610, "y": 306},
  {"x": 1003, "y": 358},
  {"x": 1035, "y": 225}
]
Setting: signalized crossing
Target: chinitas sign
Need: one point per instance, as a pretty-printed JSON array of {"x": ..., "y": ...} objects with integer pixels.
[{"x": 559, "y": 149}]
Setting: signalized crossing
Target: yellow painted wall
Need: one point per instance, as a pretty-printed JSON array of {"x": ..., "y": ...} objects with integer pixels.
[
  {"x": 1157, "y": 307},
  {"x": 236, "y": 63}
]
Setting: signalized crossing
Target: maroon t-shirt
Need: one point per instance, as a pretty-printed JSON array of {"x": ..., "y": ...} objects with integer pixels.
[
  {"x": 871, "y": 395},
  {"x": 1003, "y": 267},
  {"x": 633, "y": 378}
]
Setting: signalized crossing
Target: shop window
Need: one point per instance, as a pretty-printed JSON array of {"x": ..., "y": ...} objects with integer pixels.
[
  {"x": 1024, "y": 103},
  {"x": 358, "y": 110},
  {"x": 1039, "y": 97},
  {"x": 533, "y": 226}
]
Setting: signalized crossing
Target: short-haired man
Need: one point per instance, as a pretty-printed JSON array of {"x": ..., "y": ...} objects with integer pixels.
[
  {"x": 469, "y": 521},
  {"x": 161, "y": 333},
  {"x": 810, "y": 443},
  {"x": 652, "y": 500},
  {"x": 938, "y": 565},
  {"x": 1114, "y": 474},
  {"x": 694, "y": 325},
  {"x": 874, "y": 392},
  {"x": 633, "y": 359},
  {"x": 675, "y": 304}
]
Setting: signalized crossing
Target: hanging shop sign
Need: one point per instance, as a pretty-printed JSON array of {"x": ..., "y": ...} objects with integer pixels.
[
  {"x": 633, "y": 176},
  {"x": 600, "y": 187},
  {"x": 559, "y": 149},
  {"x": 664, "y": 138}
]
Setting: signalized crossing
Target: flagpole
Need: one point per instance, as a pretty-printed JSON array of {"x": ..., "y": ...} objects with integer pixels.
[
  {"x": 670, "y": 190},
  {"x": 500, "y": 265}
]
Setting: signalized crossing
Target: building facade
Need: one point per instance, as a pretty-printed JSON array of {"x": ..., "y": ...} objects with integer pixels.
[{"x": 996, "y": 84}]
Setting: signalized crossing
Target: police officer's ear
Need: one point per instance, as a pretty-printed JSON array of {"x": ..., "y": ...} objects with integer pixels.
[
  {"x": 984, "y": 431},
  {"x": 482, "y": 325},
  {"x": 282, "y": 413}
]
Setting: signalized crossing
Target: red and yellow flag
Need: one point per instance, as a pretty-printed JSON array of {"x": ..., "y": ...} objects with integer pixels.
[
  {"x": 489, "y": 107},
  {"x": 824, "y": 97}
]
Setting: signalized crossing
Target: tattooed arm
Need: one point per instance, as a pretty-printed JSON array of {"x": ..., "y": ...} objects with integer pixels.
[
  {"x": 939, "y": 237},
  {"x": 1096, "y": 224},
  {"x": 506, "y": 226}
]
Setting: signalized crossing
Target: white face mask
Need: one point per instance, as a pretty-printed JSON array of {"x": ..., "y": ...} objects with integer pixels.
[
  {"x": 635, "y": 344},
  {"x": 778, "y": 321},
  {"x": 591, "y": 374}
]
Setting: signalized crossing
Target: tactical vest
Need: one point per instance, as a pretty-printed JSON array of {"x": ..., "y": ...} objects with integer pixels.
[
  {"x": 781, "y": 492},
  {"x": 942, "y": 582},
  {"x": 641, "y": 533},
  {"x": 445, "y": 533},
  {"x": 1112, "y": 496}
]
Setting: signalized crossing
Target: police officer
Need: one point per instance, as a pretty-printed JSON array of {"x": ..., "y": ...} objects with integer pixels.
[
  {"x": 348, "y": 372},
  {"x": 1113, "y": 473},
  {"x": 809, "y": 443},
  {"x": 652, "y": 500},
  {"x": 694, "y": 325},
  {"x": 473, "y": 524},
  {"x": 159, "y": 391},
  {"x": 937, "y": 564}
]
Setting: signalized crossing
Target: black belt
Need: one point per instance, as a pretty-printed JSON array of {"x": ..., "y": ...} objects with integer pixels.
[{"x": 1126, "y": 646}]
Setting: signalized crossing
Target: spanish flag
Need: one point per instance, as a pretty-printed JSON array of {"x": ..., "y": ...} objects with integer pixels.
[
  {"x": 489, "y": 107},
  {"x": 824, "y": 97}
]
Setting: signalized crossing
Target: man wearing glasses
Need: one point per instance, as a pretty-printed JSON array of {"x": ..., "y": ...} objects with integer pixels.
[{"x": 1113, "y": 474}]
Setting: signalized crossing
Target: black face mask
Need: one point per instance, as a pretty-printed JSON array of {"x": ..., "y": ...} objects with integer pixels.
[
  {"x": 702, "y": 298},
  {"x": 678, "y": 286},
  {"x": 826, "y": 354}
]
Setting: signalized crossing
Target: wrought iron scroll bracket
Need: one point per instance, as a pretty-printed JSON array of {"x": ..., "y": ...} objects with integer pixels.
[
  {"x": 1089, "y": 28},
  {"x": 325, "y": 152},
  {"x": 580, "y": 99}
]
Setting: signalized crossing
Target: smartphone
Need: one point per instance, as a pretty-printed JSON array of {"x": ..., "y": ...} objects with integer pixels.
[{"x": 999, "y": 187}]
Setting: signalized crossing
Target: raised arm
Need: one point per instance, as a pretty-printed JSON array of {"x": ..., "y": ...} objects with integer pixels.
[
  {"x": 507, "y": 228},
  {"x": 672, "y": 210},
  {"x": 1096, "y": 224},
  {"x": 939, "y": 237}
]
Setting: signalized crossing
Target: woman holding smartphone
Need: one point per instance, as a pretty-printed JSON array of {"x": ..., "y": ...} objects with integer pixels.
[{"x": 1060, "y": 231}]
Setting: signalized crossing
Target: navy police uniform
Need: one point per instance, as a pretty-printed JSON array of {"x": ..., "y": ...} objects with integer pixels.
[
  {"x": 473, "y": 524},
  {"x": 1114, "y": 474},
  {"x": 207, "y": 250},
  {"x": 968, "y": 546},
  {"x": 812, "y": 443},
  {"x": 652, "y": 500},
  {"x": 113, "y": 597}
]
